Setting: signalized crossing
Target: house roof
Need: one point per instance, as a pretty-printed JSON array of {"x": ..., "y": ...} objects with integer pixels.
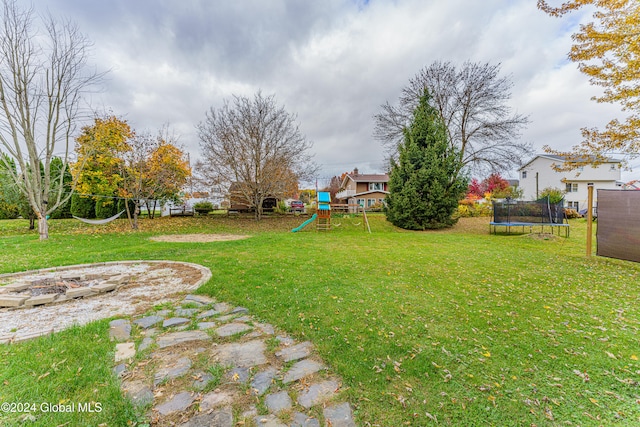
[
  {"x": 563, "y": 159},
  {"x": 383, "y": 177}
]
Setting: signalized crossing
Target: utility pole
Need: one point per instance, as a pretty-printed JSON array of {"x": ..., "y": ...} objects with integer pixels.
[{"x": 589, "y": 217}]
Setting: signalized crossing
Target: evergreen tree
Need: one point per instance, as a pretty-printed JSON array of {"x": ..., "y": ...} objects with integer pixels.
[{"x": 425, "y": 184}]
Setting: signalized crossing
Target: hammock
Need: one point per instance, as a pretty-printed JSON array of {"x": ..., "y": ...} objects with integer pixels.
[{"x": 99, "y": 221}]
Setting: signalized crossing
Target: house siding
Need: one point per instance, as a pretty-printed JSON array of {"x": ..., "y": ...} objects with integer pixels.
[{"x": 540, "y": 175}]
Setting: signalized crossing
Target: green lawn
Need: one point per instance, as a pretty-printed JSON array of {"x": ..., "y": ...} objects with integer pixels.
[{"x": 454, "y": 327}]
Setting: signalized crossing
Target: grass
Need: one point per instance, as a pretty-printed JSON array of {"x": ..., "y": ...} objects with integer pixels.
[{"x": 455, "y": 327}]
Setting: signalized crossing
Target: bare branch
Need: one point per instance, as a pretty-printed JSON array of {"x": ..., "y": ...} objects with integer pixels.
[{"x": 472, "y": 102}]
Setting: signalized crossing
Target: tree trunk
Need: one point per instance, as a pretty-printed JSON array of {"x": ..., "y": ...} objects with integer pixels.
[
  {"x": 136, "y": 211},
  {"x": 43, "y": 227},
  {"x": 32, "y": 222}
]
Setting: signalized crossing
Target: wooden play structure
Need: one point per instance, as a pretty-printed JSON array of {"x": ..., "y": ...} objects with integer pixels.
[{"x": 323, "y": 214}]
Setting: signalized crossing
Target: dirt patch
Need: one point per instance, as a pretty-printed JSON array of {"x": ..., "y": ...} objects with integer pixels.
[
  {"x": 198, "y": 238},
  {"x": 541, "y": 236}
]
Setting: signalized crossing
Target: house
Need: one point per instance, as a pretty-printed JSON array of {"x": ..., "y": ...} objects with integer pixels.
[
  {"x": 238, "y": 200},
  {"x": 539, "y": 173},
  {"x": 365, "y": 190}
]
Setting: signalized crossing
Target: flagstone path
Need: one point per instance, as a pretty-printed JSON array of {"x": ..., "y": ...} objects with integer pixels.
[{"x": 206, "y": 363}]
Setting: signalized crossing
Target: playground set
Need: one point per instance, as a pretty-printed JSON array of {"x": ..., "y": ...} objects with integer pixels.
[{"x": 323, "y": 214}]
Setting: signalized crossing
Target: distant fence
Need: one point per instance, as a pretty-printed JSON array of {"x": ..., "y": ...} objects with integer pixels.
[{"x": 618, "y": 234}]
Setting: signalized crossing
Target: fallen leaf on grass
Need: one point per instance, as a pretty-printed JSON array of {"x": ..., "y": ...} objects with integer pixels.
[
  {"x": 634, "y": 357},
  {"x": 611, "y": 355},
  {"x": 548, "y": 413}
]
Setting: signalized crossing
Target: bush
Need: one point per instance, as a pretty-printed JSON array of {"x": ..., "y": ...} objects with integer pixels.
[
  {"x": 121, "y": 205},
  {"x": 105, "y": 208},
  {"x": 466, "y": 210},
  {"x": 8, "y": 210},
  {"x": 572, "y": 213},
  {"x": 203, "y": 207},
  {"x": 281, "y": 207},
  {"x": 555, "y": 194},
  {"x": 83, "y": 207}
]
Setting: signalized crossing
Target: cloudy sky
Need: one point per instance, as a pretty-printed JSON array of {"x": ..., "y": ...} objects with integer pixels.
[{"x": 330, "y": 62}]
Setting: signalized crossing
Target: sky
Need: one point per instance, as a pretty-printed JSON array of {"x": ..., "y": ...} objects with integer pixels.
[{"x": 332, "y": 63}]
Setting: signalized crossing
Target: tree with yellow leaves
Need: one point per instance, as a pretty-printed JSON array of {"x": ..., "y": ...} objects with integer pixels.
[
  {"x": 155, "y": 169},
  {"x": 100, "y": 148},
  {"x": 608, "y": 51}
]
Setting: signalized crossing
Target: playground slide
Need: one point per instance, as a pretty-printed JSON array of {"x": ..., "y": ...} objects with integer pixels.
[{"x": 304, "y": 224}]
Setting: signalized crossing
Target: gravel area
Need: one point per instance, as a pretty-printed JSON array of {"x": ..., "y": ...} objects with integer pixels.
[{"x": 153, "y": 283}]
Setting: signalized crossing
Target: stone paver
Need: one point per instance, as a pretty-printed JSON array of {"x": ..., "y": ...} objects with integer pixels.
[
  {"x": 175, "y": 321},
  {"x": 119, "y": 330},
  {"x": 221, "y": 307},
  {"x": 186, "y": 312},
  {"x": 318, "y": 393},
  {"x": 201, "y": 380},
  {"x": 177, "y": 380},
  {"x": 268, "y": 421},
  {"x": 147, "y": 322},
  {"x": 219, "y": 418},
  {"x": 278, "y": 402},
  {"x": 206, "y": 325},
  {"x": 146, "y": 342},
  {"x": 263, "y": 380},
  {"x": 41, "y": 299},
  {"x": 302, "y": 369},
  {"x": 201, "y": 299},
  {"x": 215, "y": 399},
  {"x": 181, "y": 337},
  {"x": 139, "y": 392},
  {"x": 339, "y": 415},
  {"x": 179, "y": 402},
  {"x": 296, "y": 352},
  {"x": 232, "y": 329},
  {"x": 248, "y": 354},
  {"x": 125, "y": 351},
  {"x": 302, "y": 420},
  {"x": 173, "y": 369},
  {"x": 208, "y": 313}
]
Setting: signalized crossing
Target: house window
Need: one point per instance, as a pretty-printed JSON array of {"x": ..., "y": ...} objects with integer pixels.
[
  {"x": 360, "y": 202},
  {"x": 371, "y": 202},
  {"x": 572, "y": 187},
  {"x": 573, "y": 205},
  {"x": 376, "y": 186},
  {"x": 524, "y": 174},
  {"x": 381, "y": 201}
]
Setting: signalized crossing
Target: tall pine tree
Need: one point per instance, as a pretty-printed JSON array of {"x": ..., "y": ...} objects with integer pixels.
[{"x": 425, "y": 184}]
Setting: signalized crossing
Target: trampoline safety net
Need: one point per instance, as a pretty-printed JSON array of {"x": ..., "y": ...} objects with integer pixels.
[{"x": 532, "y": 212}]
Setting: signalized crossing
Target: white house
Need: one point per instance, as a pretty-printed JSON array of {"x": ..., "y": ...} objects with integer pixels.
[{"x": 539, "y": 173}]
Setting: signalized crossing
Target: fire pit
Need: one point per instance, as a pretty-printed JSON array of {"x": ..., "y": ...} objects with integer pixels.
[{"x": 39, "y": 302}]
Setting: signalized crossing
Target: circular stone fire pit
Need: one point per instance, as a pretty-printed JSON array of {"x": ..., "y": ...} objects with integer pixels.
[{"x": 34, "y": 303}]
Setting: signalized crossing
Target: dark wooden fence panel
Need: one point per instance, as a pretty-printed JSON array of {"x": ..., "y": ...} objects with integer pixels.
[{"x": 618, "y": 232}]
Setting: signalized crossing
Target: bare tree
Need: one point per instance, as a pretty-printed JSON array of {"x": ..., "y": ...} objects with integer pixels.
[
  {"x": 42, "y": 79},
  {"x": 472, "y": 101},
  {"x": 255, "y": 145}
]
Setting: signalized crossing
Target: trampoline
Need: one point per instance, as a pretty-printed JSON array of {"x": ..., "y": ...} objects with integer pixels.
[{"x": 519, "y": 215}]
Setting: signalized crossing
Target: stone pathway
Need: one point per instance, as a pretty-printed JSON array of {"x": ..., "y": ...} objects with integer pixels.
[{"x": 206, "y": 363}]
